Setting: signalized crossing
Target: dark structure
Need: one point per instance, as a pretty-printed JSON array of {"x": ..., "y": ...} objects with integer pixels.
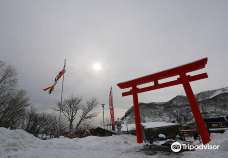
[
  {"x": 95, "y": 132},
  {"x": 217, "y": 124},
  {"x": 169, "y": 131}
]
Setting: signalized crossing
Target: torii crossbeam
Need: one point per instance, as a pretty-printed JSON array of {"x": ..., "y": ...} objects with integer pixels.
[{"x": 184, "y": 79}]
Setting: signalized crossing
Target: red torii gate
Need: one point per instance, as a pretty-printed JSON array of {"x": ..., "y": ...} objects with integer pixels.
[{"x": 183, "y": 79}]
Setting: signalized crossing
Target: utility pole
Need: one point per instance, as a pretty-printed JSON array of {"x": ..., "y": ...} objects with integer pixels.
[
  {"x": 61, "y": 103},
  {"x": 103, "y": 114}
]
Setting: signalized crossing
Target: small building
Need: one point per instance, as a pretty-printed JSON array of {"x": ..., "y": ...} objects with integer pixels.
[
  {"x": 95, "y": 132},
  {"x": 101, "y": 132},
  {"x": 153, "y": 129},
  {"x": 79, "y": 134},
  {"x": 217, "y": 124}
]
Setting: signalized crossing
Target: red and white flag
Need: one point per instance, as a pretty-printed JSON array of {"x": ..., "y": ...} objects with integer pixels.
[{"x": 111, "y": 109}]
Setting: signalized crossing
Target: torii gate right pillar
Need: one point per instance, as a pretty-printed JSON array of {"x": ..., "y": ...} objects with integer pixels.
[{"x": 195, "y": 109}]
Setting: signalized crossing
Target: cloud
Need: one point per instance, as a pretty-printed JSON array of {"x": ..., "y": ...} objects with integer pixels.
[{"x": 129, "y": 39}]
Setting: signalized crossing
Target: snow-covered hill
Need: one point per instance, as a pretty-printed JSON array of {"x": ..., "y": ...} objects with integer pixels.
[
  {"x": 213, "y": 102},
  {"x": 211, "y": 93}
]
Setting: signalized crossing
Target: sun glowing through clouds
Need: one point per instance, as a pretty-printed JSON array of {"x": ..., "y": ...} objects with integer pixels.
[{"x": 97, "y": 66}]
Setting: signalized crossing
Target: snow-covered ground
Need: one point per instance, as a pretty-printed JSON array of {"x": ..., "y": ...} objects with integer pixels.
[
  {"x": 216, "y": 139},
  {"x": 17, "y": 143}
]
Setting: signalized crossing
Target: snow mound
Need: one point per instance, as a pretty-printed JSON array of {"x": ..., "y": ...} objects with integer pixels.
[
  {"x": 161, "y": 135},
  {"x": 19, "y": 144},
  {"x": 121, "y": 143},
  {"x": 216, "y": 139},
  {"x": 14, "y": 140},
  {"x": 89, "y": 147},
  {"x": 220, "y": 139}
]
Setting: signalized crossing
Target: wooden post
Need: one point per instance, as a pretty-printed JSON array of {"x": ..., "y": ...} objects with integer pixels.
[
  {"x": 195, "y": 109},
  {"x": 184, "y": 136},
  {"x": 137, "y": 115}
]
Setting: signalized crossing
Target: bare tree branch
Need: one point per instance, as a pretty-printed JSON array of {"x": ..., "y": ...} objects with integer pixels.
[{"x": 87, "y": 113}]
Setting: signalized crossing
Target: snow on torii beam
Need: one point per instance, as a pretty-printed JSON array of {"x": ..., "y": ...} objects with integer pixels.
[{"x": 183, "y": 79}]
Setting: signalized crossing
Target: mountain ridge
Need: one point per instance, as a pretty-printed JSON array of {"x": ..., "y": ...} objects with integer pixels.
[{"x": 211, "y": 102}]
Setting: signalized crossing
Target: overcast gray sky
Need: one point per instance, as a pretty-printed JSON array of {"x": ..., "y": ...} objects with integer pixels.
[{"x": 128, "y": 38}]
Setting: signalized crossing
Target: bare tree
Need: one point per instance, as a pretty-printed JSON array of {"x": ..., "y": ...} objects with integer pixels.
[
  {"x": 69, "y": 109},
  {"x": 13, "y": 102},
  {"x": 87, "y": 111},
  {"x": 15, "y": 109},
  {"x": 42, "y": 123},
  {"x": 8, "y": 79},
  {"x": 85, "y": 126},
  {"x": 33, "y": 121},
  {"x": 8, "y": 83}
]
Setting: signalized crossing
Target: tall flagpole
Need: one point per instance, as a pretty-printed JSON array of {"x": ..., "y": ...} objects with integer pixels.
[{"x": 60, "y": 111}]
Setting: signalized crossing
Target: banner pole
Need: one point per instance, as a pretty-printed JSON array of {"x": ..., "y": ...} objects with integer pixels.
[{"x": 61, "y": 102}]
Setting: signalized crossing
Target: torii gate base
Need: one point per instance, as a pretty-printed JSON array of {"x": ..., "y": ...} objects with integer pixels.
[{"x": 184, "y": 80}]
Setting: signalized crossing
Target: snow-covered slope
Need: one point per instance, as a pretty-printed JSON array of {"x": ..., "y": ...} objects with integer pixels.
[
  {"x": 179, "y": 100},
  {"x": 211, "y": 93}
]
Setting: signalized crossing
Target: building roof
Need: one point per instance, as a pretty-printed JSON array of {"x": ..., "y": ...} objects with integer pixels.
[
  {"x": 215, "y": 119},
  {"x": 147, "y": 125}
]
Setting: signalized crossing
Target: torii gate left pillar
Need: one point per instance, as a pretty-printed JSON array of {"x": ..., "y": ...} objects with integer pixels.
[
  {"x": 183, "y": 79},
  {"x": 137, "y": 115}
]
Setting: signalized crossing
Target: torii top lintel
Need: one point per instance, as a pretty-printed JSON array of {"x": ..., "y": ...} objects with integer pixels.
[{"x": 193, "y": 66}]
